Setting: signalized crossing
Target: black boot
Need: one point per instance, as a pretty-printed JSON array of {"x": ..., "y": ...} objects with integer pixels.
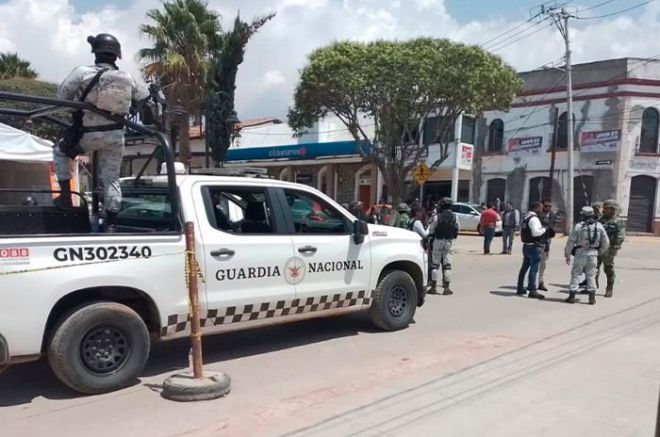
[
  {"x": 446, "y": 290},
  {"x": 110, "y": 224},
  {"x": 535, "y": 295},
  {"x": 542, "y": 287},
  {"x": 592, "y": 298},
  {"x": 64, "y": 199},
  {"x": 608, "y": 291},
  {"x": 570, "y": 298}
]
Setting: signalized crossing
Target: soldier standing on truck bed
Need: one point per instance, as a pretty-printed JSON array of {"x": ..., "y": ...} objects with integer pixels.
[{"x": 112, "y": 90}]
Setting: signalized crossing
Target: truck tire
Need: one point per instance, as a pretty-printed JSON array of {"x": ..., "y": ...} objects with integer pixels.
[
  {"x": 98, "y": 348},
  {"x": 394, "y": 301}
]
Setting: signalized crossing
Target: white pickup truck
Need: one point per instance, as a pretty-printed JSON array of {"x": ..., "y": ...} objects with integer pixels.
[{"x": 269, "y": 251}]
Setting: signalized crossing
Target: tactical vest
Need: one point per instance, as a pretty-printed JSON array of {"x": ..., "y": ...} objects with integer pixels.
[
  {"x": 612, "y": 230},
  {"x": 446, "y": 228},
  {"x": 114, "y": 92},
  {"x": 526, "y": 233}
]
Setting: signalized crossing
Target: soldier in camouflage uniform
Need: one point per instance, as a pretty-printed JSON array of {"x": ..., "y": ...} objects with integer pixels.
[
  {"x": 444, "y": 229},
  {"x": 114, "y": 93},
  {"x": 587, "y": 241},
  {"x": 616, "y": 231}
]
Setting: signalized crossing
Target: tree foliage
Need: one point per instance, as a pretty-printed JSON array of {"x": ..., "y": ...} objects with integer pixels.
[
  {"x": 185, "y": 34},
  {"x": 384, "y": 91},
  {"x": 12, "y": 66},
  {"x": 222, "y": 84},
  {"x": 34, "y": 87}
]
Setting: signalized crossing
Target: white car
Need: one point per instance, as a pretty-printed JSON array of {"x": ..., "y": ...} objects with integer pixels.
[{"x": 469, "y": 216}]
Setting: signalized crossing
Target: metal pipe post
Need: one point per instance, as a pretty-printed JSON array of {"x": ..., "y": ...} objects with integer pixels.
[
  {"x": 569, "y": 125},
  {"x": 196, "y": 330}
]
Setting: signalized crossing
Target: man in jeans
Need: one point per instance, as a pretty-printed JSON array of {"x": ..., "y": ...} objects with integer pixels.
[
  {"x": 487, "y": 222},
  {"x": 510, "y": 223},
  {"x": 532, "y": 233},
  {"x": 548, "y": 219}
]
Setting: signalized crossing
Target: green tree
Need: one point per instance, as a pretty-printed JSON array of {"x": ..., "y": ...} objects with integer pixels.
[
  {"x": 185, "y": 34},
  {"x": 12, "y": 66},
  {"x": 33, "y": 87},
  {"x": 385, "y": 91},
  {"x": 222, "y": 85}
]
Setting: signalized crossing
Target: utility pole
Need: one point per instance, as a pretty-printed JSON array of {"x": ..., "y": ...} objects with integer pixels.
[
  {"x": 458, "y": 130},
  {"x": 560, "y": 18}
]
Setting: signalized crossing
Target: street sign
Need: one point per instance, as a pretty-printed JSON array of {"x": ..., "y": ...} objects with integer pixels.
[
  {"x": 422, "y": 173},
  {"x": 604, "y": 162}
]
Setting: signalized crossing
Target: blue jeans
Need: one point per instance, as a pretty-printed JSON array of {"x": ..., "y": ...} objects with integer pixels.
[
  {"x": 531, "y": 260},
  {"x": 489, "y": 233},
  {"x": 508, "y": 232}
]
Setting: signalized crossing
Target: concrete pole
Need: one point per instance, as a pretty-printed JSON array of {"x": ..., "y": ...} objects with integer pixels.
[
  {"x": 569, "y": 125},
  {"x": 458, "y": 128}
]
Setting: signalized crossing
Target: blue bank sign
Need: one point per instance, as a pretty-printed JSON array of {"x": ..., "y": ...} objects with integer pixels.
[{"x": 298, "y": 151}]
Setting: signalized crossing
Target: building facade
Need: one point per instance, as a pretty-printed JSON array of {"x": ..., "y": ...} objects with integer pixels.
[{"x": 521, "y": 154}]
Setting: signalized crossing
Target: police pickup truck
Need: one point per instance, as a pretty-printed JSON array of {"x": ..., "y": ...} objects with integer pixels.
[{"x": 268, "y": 251}]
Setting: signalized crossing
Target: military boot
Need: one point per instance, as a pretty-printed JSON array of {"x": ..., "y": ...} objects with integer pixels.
[
  {"x": 570, "y": 298},
  {"x": 434, "y": 287},
  {"x": 592, "y": 298},
  {"x": 610, "y": 286},
  {"x": 64, "y": 199},
  {"x": 110, "y": 224},
  {"x": 447, "y": 291}
]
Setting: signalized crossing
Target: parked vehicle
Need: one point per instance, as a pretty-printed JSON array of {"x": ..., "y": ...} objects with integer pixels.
[{"x": 469, "y": 215}]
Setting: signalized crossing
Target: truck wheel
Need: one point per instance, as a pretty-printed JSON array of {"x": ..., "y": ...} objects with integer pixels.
[
  {"x": 394, "y": 301},
  {"x": 99, "y": 348}
]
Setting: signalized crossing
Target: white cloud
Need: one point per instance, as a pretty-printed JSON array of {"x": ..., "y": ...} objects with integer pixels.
[
  {"x": 273, "y": 78},
  {"x": 52, "y": 35}
]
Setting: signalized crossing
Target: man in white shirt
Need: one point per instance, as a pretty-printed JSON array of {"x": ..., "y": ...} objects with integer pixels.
[
  {"x": 417, "y": 222},
  {"x": 533, "y": 235}
]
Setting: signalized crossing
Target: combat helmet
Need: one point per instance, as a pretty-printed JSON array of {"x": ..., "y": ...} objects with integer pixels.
[
  {"x": 403, "y": 207},
  {"x": 611, "y": 203},
  {"x": 105, "y": 43}
]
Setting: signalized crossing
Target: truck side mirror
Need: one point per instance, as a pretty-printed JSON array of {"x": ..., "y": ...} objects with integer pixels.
[{"x": 360, "y": 230}]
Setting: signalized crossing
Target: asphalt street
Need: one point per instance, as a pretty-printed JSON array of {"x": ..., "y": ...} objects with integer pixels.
[{"x": 481, "y": 362}]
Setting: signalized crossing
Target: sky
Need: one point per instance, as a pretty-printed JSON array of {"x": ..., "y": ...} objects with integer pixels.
[{"x": 51, "y": 34}]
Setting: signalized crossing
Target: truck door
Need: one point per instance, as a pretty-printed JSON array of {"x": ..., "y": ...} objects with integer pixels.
[
  {"x": 331, "y": 266},
  {"x": 245, "y": 254}
]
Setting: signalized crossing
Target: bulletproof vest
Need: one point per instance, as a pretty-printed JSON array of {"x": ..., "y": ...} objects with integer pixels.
[
  {"x": 611, "y": 226},
  {"x": 446, "y": 228},
  {"x": 114, "y": 92},
  {"x": 526, "y": 233},
  {"x": 588, "y": 235}
]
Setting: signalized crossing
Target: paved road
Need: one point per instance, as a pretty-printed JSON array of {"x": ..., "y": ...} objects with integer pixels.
[{"x": 481, "y": 362}]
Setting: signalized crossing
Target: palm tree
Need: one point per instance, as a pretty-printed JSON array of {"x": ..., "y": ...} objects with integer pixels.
[
  {"x": 12, "y": 66},
  {"x": 185, "y": 36}
]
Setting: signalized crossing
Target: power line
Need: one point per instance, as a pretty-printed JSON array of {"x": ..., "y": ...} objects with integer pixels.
[
  {"x": 498, "y": 47},
  {"x": 621, "y": 11},
  {"x": 597, "y": 6}
]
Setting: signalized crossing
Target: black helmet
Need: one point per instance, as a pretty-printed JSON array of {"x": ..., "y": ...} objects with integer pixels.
[{"x": 105, "y": 43}]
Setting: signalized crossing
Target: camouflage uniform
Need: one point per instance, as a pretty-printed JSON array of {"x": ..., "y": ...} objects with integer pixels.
[
  {"x": 589, "y": 239},
  {"x": 114, "y": 93},
  {"x": 616, "y": 231},
  {"x": 444, "y": 228}
]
